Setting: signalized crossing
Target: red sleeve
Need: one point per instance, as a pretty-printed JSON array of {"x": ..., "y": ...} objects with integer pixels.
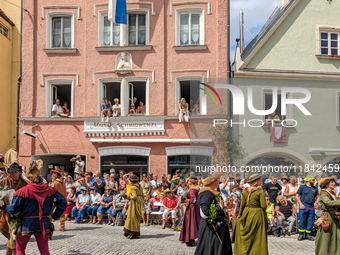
[{"x": 165, "y": 202}]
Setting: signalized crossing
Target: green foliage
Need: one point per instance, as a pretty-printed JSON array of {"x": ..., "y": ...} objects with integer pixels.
[
  {"x": 212, "y": 215},
  {"x": 228, "y": 143}
]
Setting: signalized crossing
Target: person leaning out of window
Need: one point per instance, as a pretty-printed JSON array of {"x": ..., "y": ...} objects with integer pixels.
[
  {"x": 58, "y": 111},
  {"x": 183, "y": 110}
]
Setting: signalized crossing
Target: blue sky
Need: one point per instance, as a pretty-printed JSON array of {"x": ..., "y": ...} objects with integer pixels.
[{"x": 256, "y": 13}]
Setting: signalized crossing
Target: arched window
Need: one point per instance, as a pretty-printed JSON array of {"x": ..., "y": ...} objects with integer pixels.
[{"x": 273, "y": 160}]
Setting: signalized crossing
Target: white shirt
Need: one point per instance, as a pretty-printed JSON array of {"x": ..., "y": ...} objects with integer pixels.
[
  {"x": 154, "y": 183},
  {"x": 56, "y": 108},
  {"x": 95, "y": 198},
  {"x": 224, "y": 192},
  {"x": 77, "y": 169},
  {"x": 115, "y": 106}
]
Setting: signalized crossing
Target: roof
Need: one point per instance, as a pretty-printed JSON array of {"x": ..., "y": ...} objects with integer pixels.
[
  {"x": 2, "y": 14},
  {"x": 273, "y": 19}
]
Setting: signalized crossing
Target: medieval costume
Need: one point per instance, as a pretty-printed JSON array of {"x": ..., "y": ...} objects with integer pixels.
[
  {"x": 250, "y": 232},
  {"x": 4, "y": 219},
  {"x": 59, "y": 185},
  {"x": 327, "y": 241},
  {"x": 214, "y": 237},
  {"x": 33, "y": 205},
  {"x": 135, "y": 211},
  {"x": 192, "y": 218}
]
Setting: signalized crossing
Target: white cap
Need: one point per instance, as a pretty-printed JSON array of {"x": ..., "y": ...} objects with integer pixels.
[
  {"x": 155, "y": 194},
  {"x": 112, "y": 170}
]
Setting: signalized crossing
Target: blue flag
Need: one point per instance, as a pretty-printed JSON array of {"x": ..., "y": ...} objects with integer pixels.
[{"x": 117, "y": 11}]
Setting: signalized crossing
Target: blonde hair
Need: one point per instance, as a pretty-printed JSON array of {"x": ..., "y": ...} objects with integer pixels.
[
  {"x": 278, "y": 198},
  {"x": 183, "y": 100},
  {"x": 116, "y": 99}
]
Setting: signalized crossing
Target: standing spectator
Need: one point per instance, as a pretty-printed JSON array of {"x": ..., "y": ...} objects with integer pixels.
[
  {"x": 169, "y": 177},
  {"x": 270, "y": 176},
  {"x": 290, "y": 191},
  {"x": 183, "y": 110},
  {"x": 336, "y": 180},
  {"x": 154, "y": 183},
  {"x": 238, "y": 178},
  {"x": 243, "y": 183},
  {"x": 122, "y": 183},
  {"x": 57, "y": 110},
  {"x": 171, "y": 204},
  {"x": 141, "y": 107},
  {"x": 82, "y": 201},
  {"x": 165, "y": 183},
  {"x": 182, "y": 188},
  {"x": 286, "y": 212},
  {"x": 105, "y": 205},
  {"x": 94, "y": 205},
  {"x": 146, "y": 210},
  {"x": 273, "y": 189},
  {"x": 174, "y": 185},
  {"x": 79, "y": 165},
  {"x": 105, "y": 110},
  {"x": 284, "y": 179},
  {"x": 301, "y": 178},
  {"x": 223, "y": 188},
  {"x": 100, "y": 186},
  {"x": 192, "y": 173},
  {"x": 145, "y": 184},
  {"x": 71, "y": 198},
  {"x": 233, "y": 195},
  {"x": 135, "y": 102},
  {"x": 308, "y": 198},
  {"x": 200, "y": 183}
]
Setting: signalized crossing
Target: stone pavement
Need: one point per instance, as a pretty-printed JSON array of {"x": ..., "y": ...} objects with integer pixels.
[{"x": 91, "y": 239}]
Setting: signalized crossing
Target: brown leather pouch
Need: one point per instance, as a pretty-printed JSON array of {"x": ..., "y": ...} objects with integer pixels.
[{"x": 325, "y": 222}]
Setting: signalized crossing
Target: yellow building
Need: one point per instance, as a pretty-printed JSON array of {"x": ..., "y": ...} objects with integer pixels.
[{"x": 10, "y": 19}]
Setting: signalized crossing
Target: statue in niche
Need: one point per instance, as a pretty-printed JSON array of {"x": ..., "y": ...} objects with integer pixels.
[{"x": 123, "y": 63}]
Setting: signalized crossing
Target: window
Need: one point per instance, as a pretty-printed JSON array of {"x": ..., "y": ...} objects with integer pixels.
[
  {"x": 111, "y": 33},
  {"x": 137, "y": 96},
  {"x": 268, "y": 102},
  {"x": 63, "y": 93},
  {"x": 61, "y": 32},
  {"x": 137, "y": 29},
  {"x": 112, "y": 91},
  {"x": 190, "y": 90},
  {"x": 4, "y": 30},
  {"x": 329, "y": 43},
  {"x": 190, "y": 27},
  {"x": 188, "y": 163}
]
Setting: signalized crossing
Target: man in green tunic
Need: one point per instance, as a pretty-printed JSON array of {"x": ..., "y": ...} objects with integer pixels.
[{"x": 135, "y": 211}]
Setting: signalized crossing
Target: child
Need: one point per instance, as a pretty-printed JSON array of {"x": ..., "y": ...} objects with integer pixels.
[
  {"x": 236, "y": 199},
  {"x": 154, "y": 208},
  {"x": 146, "y": 208}
]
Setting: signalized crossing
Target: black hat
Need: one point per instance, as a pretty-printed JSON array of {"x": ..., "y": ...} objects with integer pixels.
[
  {"x": 134, "y": 178},
  {"x": 178, "y": 171},
  {"x": 14, "y": 167}
]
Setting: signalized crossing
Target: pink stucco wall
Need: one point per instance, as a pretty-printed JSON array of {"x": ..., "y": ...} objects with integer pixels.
[{"x": 67, "y": 136}]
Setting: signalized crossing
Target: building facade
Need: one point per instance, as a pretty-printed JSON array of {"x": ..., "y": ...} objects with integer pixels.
[
  {"x": 71, "y": 51},
  {"x": 9, "y": 72},
  {"x": 297, "y": 48}
]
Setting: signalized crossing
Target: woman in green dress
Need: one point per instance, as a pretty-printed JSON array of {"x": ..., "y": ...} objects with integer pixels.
[
  {"x": 328, "y": 242},
  {"x": 250, "y": 233},
  {"x": 135, "y": 212}
]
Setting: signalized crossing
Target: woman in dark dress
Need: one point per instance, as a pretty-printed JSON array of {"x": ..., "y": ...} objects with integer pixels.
[
  {"x": 211, "y": 241},
  {"x": 191, "y": 221}
]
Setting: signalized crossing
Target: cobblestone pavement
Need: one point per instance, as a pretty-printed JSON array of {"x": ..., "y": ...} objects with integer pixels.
[{"x": 88, "y": 239}]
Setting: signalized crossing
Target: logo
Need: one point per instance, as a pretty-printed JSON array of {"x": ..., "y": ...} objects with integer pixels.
[{"x": 209, "y": 93}]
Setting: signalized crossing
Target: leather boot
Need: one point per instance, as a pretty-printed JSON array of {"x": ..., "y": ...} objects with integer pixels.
[
  {"x": 301, "y": 236},
  {"x": 8, "y": 251},
  {"x": 62, "y": 224},
  {"x": 14, "y": 251},
  {"x": 310, "y": 237}
]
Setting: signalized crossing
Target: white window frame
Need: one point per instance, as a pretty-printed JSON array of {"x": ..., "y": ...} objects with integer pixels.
[
  {"x": 181, "y": 11},
  {"x": 337, "y": 108},
  {"x": 289, "y": 109},
  {"x": 147, "y": 25},
  {"x": 329, "y": 43},
  {"x": 124, "y": 90},
  {"x": 202, "y": 96},
  {"x": 2, "y": 27},
  {"x": 49, "y": 28},
  {"x": 101, "y": 16},
  {"x": 49, "y": 94},
  {"x": 326, "y": 29}
]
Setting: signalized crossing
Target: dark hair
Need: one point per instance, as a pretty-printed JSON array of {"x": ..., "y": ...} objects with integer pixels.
[
  {"x": 105, "y": 98},
  {"x": 74, "y": 189},
  {"x": 324, "y": 184}
]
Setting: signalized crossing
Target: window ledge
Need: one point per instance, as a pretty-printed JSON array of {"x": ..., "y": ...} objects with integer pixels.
[
  {"x": 328, "y": 56},
  {"x": 61, "y": 50},
  {"x": 338, "y": 127},
  {"x": 268, "y": 126},
  {"x": 124, "y": 48},
  {"x": 190, "y": 47}
]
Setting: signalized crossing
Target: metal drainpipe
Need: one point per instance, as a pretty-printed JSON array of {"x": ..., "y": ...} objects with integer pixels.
[{"x": 18, "y": 86}]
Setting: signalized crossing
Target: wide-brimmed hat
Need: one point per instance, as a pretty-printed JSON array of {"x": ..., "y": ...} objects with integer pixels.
[
  {"x": 58, "y": 171},
  {"x": 14, "y": 167},
  {"x": 167, "y": 191},
  {"x": 34, "y": 172},
  {"x": 253, "y": 177},
  {"x": 175, "y": 178},
  {"x": 108, "y": 187},
  {"x": 324, "y": 181},
  {"x": 134, "y": 178},
  {"x": 193, "y": 179},
  {"x": 285, "y": 177},
  {"x": 211, "y": 178},
  {"x": 82, "y": 173}
]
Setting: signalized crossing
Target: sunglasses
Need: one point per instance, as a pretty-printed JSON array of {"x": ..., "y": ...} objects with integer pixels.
[{"x": 267, "y": 199}]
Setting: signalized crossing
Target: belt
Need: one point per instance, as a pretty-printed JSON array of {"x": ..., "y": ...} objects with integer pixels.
[{"x": 254, "y": 206}]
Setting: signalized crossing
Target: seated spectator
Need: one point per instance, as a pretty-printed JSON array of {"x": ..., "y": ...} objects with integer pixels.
[
  {"x": 122, "y": 179},
  {"x": 273, "y": 118},
  {"x": 158, "y": 191},
  {"x": 71, "y": 198},
  {"x": 285, "y": 213},
  {"x": 100, "y": 186},
  {"x": 101, "y": 178},
  {"x": 154, "y": 208},
  {"x": 183, "y": 110},
  {"x": 106, "y": 178},
  {"x": 270, "y": 211},
  {"x": 171, "y": 204},
  {"x": 88, "y": 182},
  {"x": 94, "y": 205},
  {"x": 146, "y": 210},
  {"x": 82, "y": 201},
  {"x": 165, "y": 183},
  {"x": 112, "y": 183},
  {"x": 57, "y": 110},
  {"x": 182, "y": 187},
  {"x": 196, "y": 109},
  {"x": 231, "y": 208},
  {"x": 145, "y": 184},
  {"x": 135, "y": 102},
  {"x": 116, "y": 108},
  {"x": 105, "y": 110},
  {"x": 65, "y": 109},
  {"x": 105, "y": 205},
  {"x": 141, "y": 107},
  {"x": 133, "y": 109},
  {"x": 68, "y": 183},
  {"x": 120, "y": 205}
]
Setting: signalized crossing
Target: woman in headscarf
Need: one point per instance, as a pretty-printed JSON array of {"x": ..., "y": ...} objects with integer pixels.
[
  {"x": 327, "y": 241},
  {"x": 33, "y": 204},
  {"x": 250, "y": 233},
  {"x": 191, "y": 221},
  {"x": 135, "y": 211},
  {"x": 213, "y": 238}
]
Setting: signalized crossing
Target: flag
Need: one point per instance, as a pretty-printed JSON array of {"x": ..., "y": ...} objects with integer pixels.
[{"x": 117, "y": 11}]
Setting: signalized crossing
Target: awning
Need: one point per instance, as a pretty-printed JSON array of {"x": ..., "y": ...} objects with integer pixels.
[{"x": 94, "y": 140}]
